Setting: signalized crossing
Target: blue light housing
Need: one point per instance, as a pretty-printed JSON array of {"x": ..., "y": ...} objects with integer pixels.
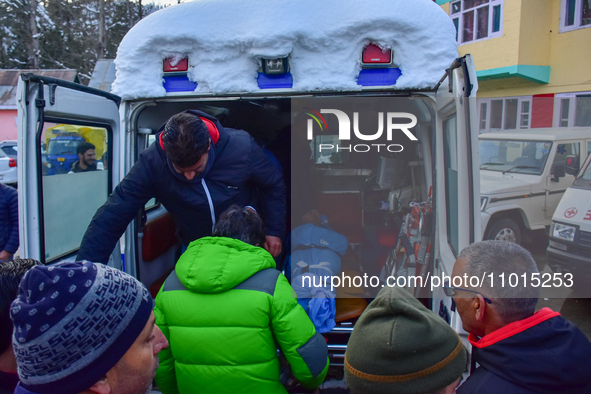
[
  {"x": 178, "y": 83},
  {"x": 378, "y": 76},
  {"x": 272, "y": 81}
]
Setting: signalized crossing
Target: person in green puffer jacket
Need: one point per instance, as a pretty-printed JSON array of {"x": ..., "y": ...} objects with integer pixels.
[{"x": 225, "y": 311}]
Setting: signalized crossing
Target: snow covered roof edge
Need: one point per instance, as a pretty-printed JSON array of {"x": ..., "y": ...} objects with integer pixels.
[{"x": 224, "y": 40}]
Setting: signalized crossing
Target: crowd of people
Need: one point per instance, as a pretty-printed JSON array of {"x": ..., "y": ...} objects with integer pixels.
[
  {"x": 399, "y": 346},
  {"x": 225, "y": 317}
]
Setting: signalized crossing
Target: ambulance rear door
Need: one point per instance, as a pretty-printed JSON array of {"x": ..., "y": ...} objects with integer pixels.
[
  {"x": 457, "y": 179},
  {"x": 56, "y": 204}
]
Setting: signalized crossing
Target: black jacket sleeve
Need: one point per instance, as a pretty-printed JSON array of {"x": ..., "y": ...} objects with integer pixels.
[
  {"x": 269, "y": 181},
  {"x": 12, "y": 203},
  {"x": 111, "y": 220}
]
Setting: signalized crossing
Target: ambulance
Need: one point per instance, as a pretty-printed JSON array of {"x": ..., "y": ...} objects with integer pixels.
[
  {"x": 569, "y": 249},
  {"x": 370, "y": 100}
]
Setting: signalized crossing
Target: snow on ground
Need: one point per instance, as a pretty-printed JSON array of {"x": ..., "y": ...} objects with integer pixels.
[{"x": 225, "y": 40}]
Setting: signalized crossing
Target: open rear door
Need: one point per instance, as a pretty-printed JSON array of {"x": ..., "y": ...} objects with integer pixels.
[
  {"x": 56, "y": 204},
  {"x": 457, "y": 174}
]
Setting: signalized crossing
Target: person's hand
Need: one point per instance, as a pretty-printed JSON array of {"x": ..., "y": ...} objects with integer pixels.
[
  {"x": 273, "y": 245},
  {"x": 5, "y": 256}
]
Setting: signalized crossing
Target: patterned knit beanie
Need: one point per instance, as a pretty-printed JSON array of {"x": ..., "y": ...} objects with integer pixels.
[
  {"x": 399, "y": 346},
  {"x": 73, "y": 322}
]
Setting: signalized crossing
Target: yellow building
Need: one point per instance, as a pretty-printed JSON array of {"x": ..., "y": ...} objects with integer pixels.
[{"x": 533, "y": 60}]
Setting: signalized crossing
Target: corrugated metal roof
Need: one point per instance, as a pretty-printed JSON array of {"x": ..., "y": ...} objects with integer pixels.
[
  {"x": 9, "y": 79},
  {"x": 103, "y": 75}
]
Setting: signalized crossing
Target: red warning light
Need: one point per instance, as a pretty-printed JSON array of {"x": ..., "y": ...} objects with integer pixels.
[
  {"x": 182, "y": 65},
  {"x": 372, "y": 54},
  {"x": 569, "y": 161}
]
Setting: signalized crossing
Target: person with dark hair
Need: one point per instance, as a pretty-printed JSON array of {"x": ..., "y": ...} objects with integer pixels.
[
  {"x": 225, "y": 310},
  {"x": 11, "y": 273},
  {"x": 196, "y": 169},
  {"x": 243, "y": 224},
  {"x": 9, "y": 238},
  {"x": 85, "y": 328},
  {"x": 86, "y": 158},
  {"x": 517, "y": 349}
]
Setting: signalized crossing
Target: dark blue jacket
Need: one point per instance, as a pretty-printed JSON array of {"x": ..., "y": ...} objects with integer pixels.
[
  {"x": 8, "y": 219},
  {"x": 240, "y": 173},
  {"x": 541, "y": 354}
]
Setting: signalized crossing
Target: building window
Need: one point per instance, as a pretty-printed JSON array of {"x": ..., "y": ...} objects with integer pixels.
[
  {"x": 524, "y": 116},
  {"x": 564, "y": 111},
  {"x": 504, "y": 113},
  {"x": 573, "y": 109},
  {"x": 476, "y": 19},
  {"x": 574, "y": 14},
  {"x": 483, "y": 115}
]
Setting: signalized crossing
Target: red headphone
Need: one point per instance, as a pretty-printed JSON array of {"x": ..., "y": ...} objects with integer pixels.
[{"x": 213, "y": 132}]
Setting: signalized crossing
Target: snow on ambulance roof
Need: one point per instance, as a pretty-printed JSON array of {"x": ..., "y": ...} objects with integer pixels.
[{"x": 225, "y": 40}]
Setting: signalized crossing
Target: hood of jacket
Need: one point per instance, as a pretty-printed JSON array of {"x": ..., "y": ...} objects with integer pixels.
[
  {"x": 544, "y": 353},
  {"x": 217, "y": 264}
]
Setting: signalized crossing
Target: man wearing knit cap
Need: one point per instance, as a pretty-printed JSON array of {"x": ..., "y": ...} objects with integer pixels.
[
  {"x": 399, "y": 346},
  {"x": 84, "y": 328}
]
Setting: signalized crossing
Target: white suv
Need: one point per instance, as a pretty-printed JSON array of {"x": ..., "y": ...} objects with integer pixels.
[{"x": 522, "y": 178}]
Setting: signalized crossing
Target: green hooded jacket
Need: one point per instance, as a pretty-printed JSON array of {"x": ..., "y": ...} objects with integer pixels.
[{"x": 225, "y": 311}]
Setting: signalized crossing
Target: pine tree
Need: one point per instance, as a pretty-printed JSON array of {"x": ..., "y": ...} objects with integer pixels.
[{"x": 64, "y": 34}]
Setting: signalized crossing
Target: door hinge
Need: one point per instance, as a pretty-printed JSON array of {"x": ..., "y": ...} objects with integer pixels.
[{"x": 52, "y": 88}]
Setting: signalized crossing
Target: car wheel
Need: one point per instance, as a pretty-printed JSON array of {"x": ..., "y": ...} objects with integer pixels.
[{"x": 505, "y": 230}]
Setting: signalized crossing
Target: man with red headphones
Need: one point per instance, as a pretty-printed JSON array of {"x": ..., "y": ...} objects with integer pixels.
[{"x": 196, "y": 169}]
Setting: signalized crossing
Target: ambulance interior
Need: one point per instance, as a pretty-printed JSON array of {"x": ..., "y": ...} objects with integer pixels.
[{"x": 364, "y": 197}]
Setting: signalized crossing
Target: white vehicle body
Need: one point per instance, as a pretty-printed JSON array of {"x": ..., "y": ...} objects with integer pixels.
[
  {"x": 8, "y": 169},
  {"x": 10, "y": 148},
  {"x": 569, "y": 247},
  {"x": 520, "y": 193},
  {"x": 56, "y": 210}
]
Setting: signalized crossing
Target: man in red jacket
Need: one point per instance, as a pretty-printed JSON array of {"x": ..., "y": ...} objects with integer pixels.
[{"x": 517, "y": 349}]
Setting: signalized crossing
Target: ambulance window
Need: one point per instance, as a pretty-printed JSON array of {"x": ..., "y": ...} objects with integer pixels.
[
  {"x": 151, "y": 139},
  {"x": 563, "y": 150},
  {"x": 329, "y": 150},
  {"x": 74, "y": 183},
  {"x": 451, "y": 181},
  {"x": 587, "y": 172},
  {"x": 152, "y": 202}
]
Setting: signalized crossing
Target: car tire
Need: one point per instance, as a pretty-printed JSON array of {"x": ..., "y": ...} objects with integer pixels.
[{"x": 505, "y": 230}]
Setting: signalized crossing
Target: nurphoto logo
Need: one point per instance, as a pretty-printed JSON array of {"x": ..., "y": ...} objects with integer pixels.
[{"x": 395, "y": 121}]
